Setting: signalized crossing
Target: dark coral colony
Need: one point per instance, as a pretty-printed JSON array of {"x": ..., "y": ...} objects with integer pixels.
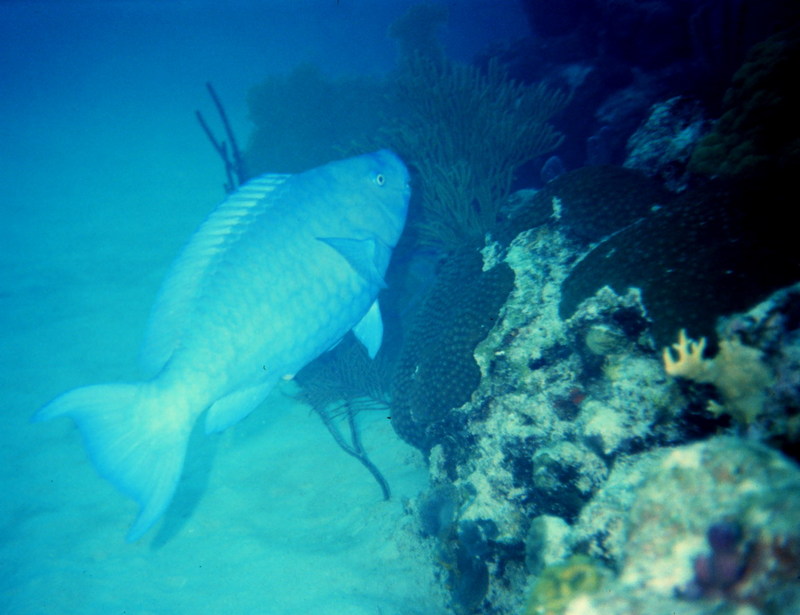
[{"x": 593, "y": 319}]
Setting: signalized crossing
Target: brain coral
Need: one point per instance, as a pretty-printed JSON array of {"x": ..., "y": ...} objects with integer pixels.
[
  {"x": 714, "y": 250},
  {"x": 437, "y": 371},
  {"x": 594, "y": 202}
]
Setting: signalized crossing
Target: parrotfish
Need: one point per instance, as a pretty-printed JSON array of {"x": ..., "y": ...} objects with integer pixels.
[{"x": 275, "y": 276}]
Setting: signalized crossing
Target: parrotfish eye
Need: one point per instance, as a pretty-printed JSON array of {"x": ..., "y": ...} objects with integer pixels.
[{"x": 380, "y": 179}]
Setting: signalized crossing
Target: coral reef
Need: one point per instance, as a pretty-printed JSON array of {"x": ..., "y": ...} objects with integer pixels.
[
  {"x": 557, "y": 402},
  {"x": 569, "y": 410},
  {"x": 565, "y": 453},
  {"x": 653, "y": 517},
  {"x": 561, "y": 445},
  {"x": 564, "y": 449}
]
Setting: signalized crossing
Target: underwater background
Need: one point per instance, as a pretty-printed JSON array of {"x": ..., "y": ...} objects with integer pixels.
[{"x": 588, "y": 395}]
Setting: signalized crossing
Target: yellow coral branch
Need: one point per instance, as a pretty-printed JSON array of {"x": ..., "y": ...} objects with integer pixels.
[
  {"x": 738, "y": 372},
  {"x": 690, "y": 362}
]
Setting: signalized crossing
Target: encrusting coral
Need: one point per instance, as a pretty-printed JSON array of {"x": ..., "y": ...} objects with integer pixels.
[
  {"x": 560, "y": 584},
  {"x": 738, "y": 373},
  {"x": 706, "y": 527}
]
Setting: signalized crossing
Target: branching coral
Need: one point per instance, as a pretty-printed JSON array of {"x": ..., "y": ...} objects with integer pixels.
[
  {"x": 738, "y": 373},
  {"x": 467, "y": 132},
  {"x": 690, "y": 363}
]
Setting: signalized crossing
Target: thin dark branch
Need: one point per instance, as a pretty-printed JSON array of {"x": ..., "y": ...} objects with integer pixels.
[
  {"x": 235, "y": 171},
  {"x": 221, "y": 149},
  {"x": 238, "y": 161},
  {"x": 362, "y": 456},
  {"x": 354, "y": 447}
]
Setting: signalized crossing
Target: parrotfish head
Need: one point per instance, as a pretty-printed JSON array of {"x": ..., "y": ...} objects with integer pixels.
[{"x": 379, "y": 190}]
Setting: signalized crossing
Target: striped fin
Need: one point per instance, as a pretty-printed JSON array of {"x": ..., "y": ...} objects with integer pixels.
[{"x": 181, "y": 287}]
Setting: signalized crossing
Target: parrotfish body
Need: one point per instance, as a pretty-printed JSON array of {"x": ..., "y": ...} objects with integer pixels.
[{"x": 275, "y": 276}]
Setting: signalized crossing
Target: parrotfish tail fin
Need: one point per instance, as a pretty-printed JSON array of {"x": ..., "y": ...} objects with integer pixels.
[{"x": 133, "y": 440}]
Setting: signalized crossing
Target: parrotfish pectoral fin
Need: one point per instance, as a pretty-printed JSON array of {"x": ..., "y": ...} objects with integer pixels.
[
  {"x": 361, "y": 254},
  {"x": 234, "y": 407},
  {"x": 369, "y": 330},
  {"x": 133, "y": 440}
]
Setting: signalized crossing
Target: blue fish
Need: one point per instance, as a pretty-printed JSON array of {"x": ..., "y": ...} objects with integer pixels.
[{"x": 275, "y": 276}]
